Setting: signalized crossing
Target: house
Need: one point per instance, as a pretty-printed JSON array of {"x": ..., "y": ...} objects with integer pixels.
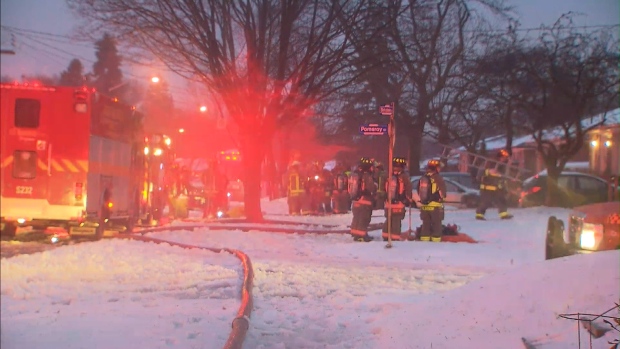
[
  {"x": 604, "y": 150},
  {"x": 600, "y": 156}
]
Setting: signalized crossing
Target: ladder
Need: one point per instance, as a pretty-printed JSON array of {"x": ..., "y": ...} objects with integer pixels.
[{"x": 511, "y": 170}]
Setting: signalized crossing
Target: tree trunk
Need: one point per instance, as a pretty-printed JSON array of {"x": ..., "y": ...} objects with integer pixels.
[
  {"x": 270, "y": 172},
  {"x": 252, "y": 150},
  {"x": 508, "y": 127},
  {"x": 554, "y": 194},
  {"x": 285, "y": 152},
  {"x": 415, "y": 149}
]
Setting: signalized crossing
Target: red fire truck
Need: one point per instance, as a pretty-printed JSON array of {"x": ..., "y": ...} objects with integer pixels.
[{"x": 68, "y": 159}]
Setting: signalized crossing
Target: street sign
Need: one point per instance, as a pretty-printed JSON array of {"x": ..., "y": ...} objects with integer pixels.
[
  {"x": 386, "y": 110},
  {"x": 373, "y": 129}
]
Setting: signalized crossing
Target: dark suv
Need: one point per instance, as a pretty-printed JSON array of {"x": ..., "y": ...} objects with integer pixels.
[{"x": 575, "y": 189}]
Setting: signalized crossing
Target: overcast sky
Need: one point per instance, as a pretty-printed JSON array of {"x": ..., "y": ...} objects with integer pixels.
[{"x": 52, "y": 55}]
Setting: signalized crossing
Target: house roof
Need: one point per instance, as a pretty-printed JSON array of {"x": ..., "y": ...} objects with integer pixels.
[{"x": 496, "y": 142}]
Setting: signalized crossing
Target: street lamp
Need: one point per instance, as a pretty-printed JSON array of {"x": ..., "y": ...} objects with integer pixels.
[
  {"x": 203, "y": 108},
  {"x": 154, "y": 79},
  {"x": 181, "y": 130}
]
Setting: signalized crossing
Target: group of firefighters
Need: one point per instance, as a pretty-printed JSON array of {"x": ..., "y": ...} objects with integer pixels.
[{"x": 313, "y": 189}]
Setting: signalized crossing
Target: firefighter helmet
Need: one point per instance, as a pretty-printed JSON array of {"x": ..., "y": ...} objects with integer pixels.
[
  {"x": 365, "y": 163},
  {"x": 399, "y": 162},
  {"x": 433, "y": 164}
]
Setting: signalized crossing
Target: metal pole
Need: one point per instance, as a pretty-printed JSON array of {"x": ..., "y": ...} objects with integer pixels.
[
  {"x": 409, "y": 231},
  {"x": 392, "y": 138}
]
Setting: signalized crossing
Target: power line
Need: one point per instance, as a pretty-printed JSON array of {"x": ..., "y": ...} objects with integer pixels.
[
  {"x": 71, "y": 54},
  {"x": 44, "y": 51},
  {"x": 16, "y": 29},
  {"x": 543, "y": 28}
]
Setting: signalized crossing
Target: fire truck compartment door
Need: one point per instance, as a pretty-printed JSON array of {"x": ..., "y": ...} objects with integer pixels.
[
  {"x": 25, "y": 145},
  {"x": 110, "y": 165}
]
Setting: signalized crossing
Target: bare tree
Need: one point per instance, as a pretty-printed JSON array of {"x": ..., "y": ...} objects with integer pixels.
[
  {"x": 267, "y": 60},
  {"x": 430, "y": 39},
  {"x": 566, "y": 77},
  {"x": 490, "y": 78}
]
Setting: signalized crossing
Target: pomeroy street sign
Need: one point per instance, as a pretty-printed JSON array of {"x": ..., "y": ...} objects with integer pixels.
[{"x": 373, "y": 129}]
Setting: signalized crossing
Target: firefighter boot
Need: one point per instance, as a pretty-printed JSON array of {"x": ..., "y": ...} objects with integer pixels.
[
  {"x": 480, "y": 217},
  {"x": 362, "y": 238},
  {"x": 505, "y": 215}
]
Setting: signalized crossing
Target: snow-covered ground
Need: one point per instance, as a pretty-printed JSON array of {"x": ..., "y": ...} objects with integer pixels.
[{"x": 311, "y": 291}]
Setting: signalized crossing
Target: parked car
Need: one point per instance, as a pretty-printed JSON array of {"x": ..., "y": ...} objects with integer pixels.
[
  {"x": 575, "y": 189},
  {"x": 456, "y": 193},
  {"x": 465, "y": 179}
]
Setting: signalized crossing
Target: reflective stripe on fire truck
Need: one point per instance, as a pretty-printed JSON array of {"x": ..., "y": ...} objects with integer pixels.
[
  {"x": 69, "y": 165},
  {"x": 74, "y": 166},
  {"x": 56, "y": 166},
  {"x": 6, "y": 161},
  {"x": 83, "y": 165},
  {"x": 41, "y": 165}
]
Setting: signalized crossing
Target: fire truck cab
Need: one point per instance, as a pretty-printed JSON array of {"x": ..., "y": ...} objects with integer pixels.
[{"x": 67, "y": 159}]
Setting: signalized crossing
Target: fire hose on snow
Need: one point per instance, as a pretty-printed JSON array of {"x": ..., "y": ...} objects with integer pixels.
[{"x": 241, "y": 323}]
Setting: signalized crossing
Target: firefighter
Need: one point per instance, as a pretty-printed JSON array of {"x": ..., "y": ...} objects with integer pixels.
[
  {"x": 314, "y": 188},
  {"x": 362, "y": 189},
  {"x": 221, "y": 192},
  {"x": 295, "y": 189},
  {"x": 347, "y": 172},
  {"x": 210, "y": 190},
  {"x": 399, "y": 187},
  {"x": 341, "y": 191},
  {"x": 184, "y": 178},
  {"x": 432, "y": 192},
  {"x": 327, "y": 182},
  {"x": 177, "y": 178},
  {"x": 493, "y": 189},
  {"x": 306, "y": 202},
  {"x": 380, "y": 179}
]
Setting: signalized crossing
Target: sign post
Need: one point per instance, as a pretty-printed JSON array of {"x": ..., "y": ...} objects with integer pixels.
[{"x": 388, "y": 110}]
